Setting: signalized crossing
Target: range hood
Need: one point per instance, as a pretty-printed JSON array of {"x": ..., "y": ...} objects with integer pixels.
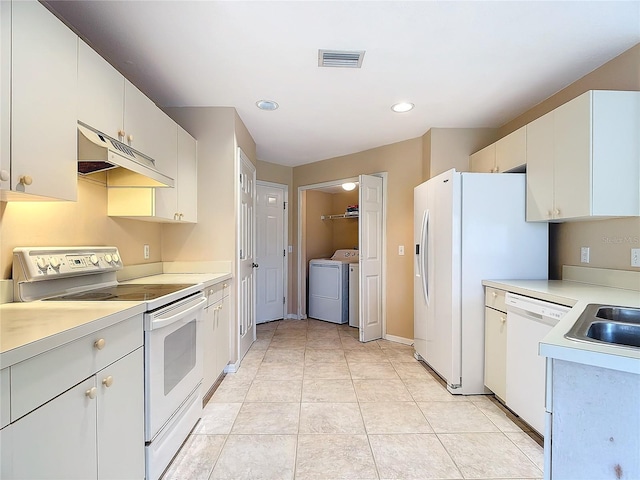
[{"x": 124, "y": 166}]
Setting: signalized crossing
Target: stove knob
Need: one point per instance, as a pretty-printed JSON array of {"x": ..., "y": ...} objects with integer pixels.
[
  {"x": 116, "y": 258},
  {"x": 54, "y": 262},
  {"x": 42, "y": 264},
  {"x": 94, "y": 259},
  {"x": 107, "y": 258}
]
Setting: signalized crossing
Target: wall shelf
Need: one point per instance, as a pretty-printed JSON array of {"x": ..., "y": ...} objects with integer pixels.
[{"x": 340, "y": 215}]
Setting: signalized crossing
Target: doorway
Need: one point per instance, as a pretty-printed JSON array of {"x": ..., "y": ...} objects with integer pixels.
[
  {"x": 320, "y": 217},
  {"x": 271, "y": 256}
]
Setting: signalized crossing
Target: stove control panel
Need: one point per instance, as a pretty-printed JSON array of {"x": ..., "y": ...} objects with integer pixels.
[{"x": 39, "y": 263}]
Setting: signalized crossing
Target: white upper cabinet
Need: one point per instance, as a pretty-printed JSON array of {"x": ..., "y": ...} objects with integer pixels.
[
  {"x": 504, "y": 155},
  {"x": 100, "y": 93},
  {"x": 583, "y": 159},
  {"x": 43, "y": 104},
  {"x": 111, "y": 104},
  {"x": 178, "y": 204}
]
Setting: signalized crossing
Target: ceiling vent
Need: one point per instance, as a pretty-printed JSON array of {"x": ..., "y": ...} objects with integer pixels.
[{"x": 340, "y": 58}]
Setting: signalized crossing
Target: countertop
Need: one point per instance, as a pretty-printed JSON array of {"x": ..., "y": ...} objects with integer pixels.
[
  {"x": 30, "y": 328},
  {"x": 578, "y": 295}
]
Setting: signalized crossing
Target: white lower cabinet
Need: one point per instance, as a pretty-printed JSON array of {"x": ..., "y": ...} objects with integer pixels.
[
  {"x": 216, "y": 335},
  {"x": 94, "y": 429},
  {"x": 495, "y": 352}
]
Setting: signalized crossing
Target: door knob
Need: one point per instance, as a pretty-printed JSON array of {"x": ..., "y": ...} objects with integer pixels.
[{"x": 254, "y": 265}]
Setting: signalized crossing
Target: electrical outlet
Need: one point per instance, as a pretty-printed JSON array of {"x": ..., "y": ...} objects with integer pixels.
[
  {"x": 400, "y": 249},
  {"x": 146, "y": 252},
  {"x": 584, "y": 254},
  {"x": 635, "y": 257}
]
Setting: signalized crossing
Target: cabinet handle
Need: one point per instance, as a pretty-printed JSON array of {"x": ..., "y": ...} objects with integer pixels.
[
  {"x": 4, "y": 175},
  {"x": 91, "y": 393},
  {"x": 180, "y": 215},
  {"x": 497, "y": 169},
  {"x": 219, "y": 307},
  {"x": 26, "y": 180},
  {"x": 99, "y": 344},
  {"x": 107, "y": 382},
  {"x": 556, "y": 212},
  {"x": 211, "y": 292},
  {"x": 121, "y": 133},
  {"x": 494, "y": 294},
  {"x": 503, "y": 319},
  {"x": 224, "y": 285},
  {"x": 549, "y": 213},
  {"x": 130, "y": 138}
]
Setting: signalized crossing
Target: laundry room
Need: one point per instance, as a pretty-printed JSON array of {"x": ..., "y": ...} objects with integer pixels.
[{"x": 331, "y": 241}]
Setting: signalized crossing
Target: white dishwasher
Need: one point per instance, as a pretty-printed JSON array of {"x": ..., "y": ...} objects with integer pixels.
[{"x": 529, "y": 320}]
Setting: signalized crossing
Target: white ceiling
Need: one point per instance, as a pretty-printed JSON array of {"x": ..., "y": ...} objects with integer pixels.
[{"x": 463, "y": 64}]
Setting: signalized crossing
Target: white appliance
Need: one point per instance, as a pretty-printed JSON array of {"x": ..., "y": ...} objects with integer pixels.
[
  {"x": 329, "y": 286},
  {"x": 172, "y": 345},
  {"x": 529, "y": 320},
  {"x": 467, "y": 227},
  {"x": 354, "y": 295}
]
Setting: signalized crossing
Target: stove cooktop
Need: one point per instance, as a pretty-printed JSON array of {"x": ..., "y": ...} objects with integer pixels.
[{"x": 123, "y": 293}]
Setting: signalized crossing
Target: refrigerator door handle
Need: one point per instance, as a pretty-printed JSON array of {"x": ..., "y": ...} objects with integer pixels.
[{"x": 423, "y": 261}]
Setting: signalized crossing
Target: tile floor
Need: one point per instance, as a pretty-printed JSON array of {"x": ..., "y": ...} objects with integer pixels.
[{"x": 312, "y": 402}]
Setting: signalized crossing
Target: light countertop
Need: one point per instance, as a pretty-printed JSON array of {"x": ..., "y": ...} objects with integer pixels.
[
  {"x": 30, "y": 328},
  {"x": 578, "y": 296}
]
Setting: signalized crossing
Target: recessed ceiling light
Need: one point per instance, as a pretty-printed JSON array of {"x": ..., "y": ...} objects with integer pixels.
[
  {"x": 348, "y": 186},
  {"x": 267, "y": 105},
  {"x": 402, "y": 107}
]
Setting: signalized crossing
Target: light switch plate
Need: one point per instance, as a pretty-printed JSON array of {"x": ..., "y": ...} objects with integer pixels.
[
  {"x": 584, "y": 254},
  {"x": 400, "y": 249},
  {"x": 635, "y": 257},
  {"x": 146, "y": 251}
]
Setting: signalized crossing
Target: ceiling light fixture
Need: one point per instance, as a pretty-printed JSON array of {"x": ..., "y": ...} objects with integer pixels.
[
  {"x": 402, "y": 107},
  {"x": 267, "y": 105},
  {"x": 348, "y": 186}
]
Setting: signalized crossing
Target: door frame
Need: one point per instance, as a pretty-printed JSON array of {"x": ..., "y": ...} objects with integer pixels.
[
  {"x": 302, "y": 290},
  {"x": 285, "y": 274}
]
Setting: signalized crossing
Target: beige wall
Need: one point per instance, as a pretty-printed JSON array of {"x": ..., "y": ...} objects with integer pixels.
[
  {"x": 319, "y": 233},
  {"x": 621, "y": 73},
  {"x": 85, "y": 222},
  {"x": 345, "y": 231},
  {"x": 451, "y": 147},
  {"x": 403, "y": 162}
]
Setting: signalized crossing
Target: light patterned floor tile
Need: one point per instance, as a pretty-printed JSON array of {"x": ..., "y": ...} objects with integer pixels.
[
  {"x": 322, "y": 355},
  {"x": 456, "y": 417},
  {"x": 280, "y": 371},
  {"x": 529, "y": 447},
  {"x": 256, "y": 457},
  {"x": 393, "y": 417},
  {"x": 267, "y": 418},
  {"x": 412, "y": 457},
  {"x": 487, "y": 456},
  {"x": 322, "y": 457},
  {"x": 336, "y": 391},
  {"x": 429, "y": 390},
  {"x": 275, "y": 391},
  {"x": 196, "y": 459},
  {"x": 330, "y": 418},
  {"x": 327, "y": 371},
  {"x": 217, "y": 418},
  {"x": 381, "y": 390},
  {"x": 372, "y": 370}
]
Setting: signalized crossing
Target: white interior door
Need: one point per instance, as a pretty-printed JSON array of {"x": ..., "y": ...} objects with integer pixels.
[
  {"x": 271, "y": 253},
  {"x": 370, "y": 244},
  {"x": 246, "y": 255}
]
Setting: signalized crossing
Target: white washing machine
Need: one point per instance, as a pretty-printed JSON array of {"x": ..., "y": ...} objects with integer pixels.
[{"x": 329, "y": 286}]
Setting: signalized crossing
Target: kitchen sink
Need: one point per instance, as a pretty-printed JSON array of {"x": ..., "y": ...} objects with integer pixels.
[{"x": 608, "y": 325}]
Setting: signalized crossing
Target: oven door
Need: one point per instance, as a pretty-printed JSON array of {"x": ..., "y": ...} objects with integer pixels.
[{"x": 173, "y": 360}]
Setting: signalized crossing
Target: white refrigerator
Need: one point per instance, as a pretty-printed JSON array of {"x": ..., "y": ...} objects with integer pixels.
[{"x": 467, "y": 227}]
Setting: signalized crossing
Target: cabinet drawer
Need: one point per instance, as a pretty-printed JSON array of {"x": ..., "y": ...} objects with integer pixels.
[
  {"x": 216, "y": 292},
  {"x": 41, "y": 378},
  {"x": 494, "y": 298}
]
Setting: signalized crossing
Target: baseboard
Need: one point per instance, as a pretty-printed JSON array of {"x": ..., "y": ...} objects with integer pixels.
[
  {"x": 402, "y": 340},
  {"x": 293, "y": 316}
]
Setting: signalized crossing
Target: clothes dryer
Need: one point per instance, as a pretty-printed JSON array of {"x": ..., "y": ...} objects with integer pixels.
[{"x": 329, "y": 286}]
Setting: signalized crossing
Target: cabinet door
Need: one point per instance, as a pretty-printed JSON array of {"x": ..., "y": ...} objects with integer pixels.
[
  {"x": 149, "y": 130},
  {"x": 187, "y": 177},
  {"x": 209, "y": 355},
  {"x": 484, "y": 161},
  {"x": 5, "y": 398},
  {"x": 540, "y": 151},
  {"x": 58, "y": 440},
  {"x": 495, "y": 352},
  {"x": 572, "y": 158},
  {"x": 100, "y": 92},
  {"x": 121, "y": 418},
  {"x": 222, "y": 335},
  {"x": 44, "y": 78},
  {"x": 511, "y": 151}
]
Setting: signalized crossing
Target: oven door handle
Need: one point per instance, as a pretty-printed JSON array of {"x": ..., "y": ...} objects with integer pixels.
[{"x": 160, "y": 322}]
